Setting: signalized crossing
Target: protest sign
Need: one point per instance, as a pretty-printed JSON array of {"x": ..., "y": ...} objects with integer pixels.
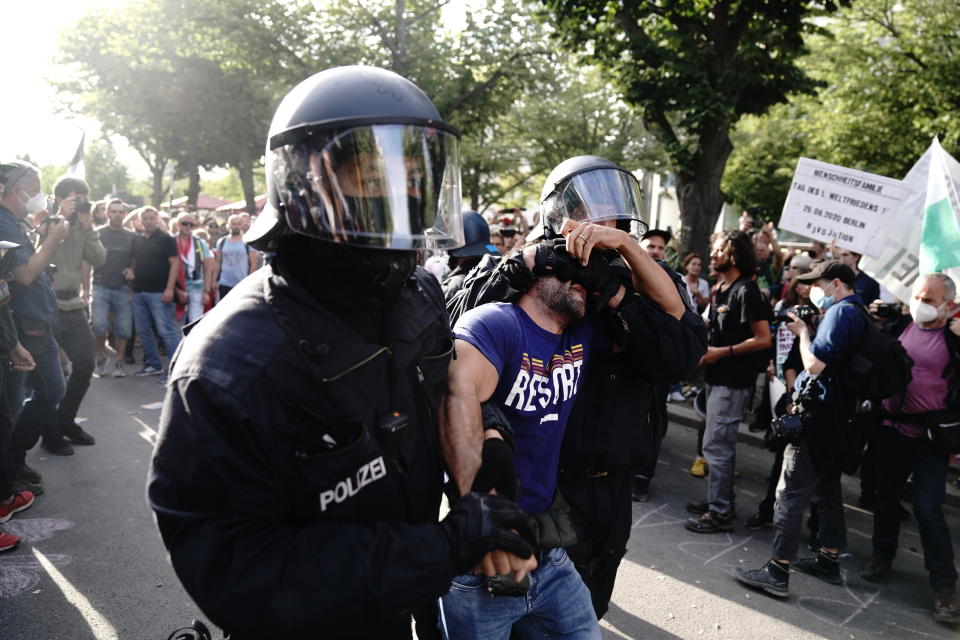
[
  {"x": 832, "y": 203},
  {"x": 924, "y": 236}
]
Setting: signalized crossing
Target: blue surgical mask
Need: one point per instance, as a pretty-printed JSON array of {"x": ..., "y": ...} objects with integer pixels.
[{"x": 820, "y": 299}]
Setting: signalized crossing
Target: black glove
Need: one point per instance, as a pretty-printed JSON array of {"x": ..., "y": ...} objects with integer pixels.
[
  {"x": 552, "y": 259},
  {"x": 554, "y": 527},
  {"x": 482, "y": 522},
  {"x": 509, "y": 280},
  {"x": 497, "y": 470}
]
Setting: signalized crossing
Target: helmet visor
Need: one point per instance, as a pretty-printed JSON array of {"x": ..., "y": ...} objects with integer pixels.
[
  {"x": 391, "y": 186},
  {"x": 594, "y": 196}
]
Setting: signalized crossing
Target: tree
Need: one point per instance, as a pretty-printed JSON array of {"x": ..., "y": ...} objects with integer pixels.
[
  {"x": 105, "y": 173},
  {"x": 891, "y": 82},
  {"x": 692, "y": 69}
]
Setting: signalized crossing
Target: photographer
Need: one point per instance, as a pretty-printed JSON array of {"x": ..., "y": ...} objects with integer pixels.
[
  {"x": 813, "y": 463},
  {"x": 34, "y": 307},
  {"x": 73, "y": 320},
  {"x": 901, "y": 447}
]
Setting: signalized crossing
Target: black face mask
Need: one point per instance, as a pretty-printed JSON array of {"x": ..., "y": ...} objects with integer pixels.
[{"x": 336, "y": 272}]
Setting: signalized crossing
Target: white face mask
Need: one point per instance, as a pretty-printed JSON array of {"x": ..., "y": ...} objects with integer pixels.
[
  {"x": 923, "y": 313},
  {"x": 36, "y": 203}
]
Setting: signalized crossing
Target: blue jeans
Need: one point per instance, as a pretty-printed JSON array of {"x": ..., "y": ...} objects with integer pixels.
[
  {"x": 116, "y": 301},
  {"x": 897, "y": 456},
  {"x": 556, "y": 606},
  {"x": 725, "y": 409},
  {"x": 149, "y": 306},
  {"x": 38, "y": 415}
]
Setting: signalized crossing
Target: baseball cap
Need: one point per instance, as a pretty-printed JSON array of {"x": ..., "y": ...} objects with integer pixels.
[
  {"x": 665, "y": 234},
  {"x": 830, "y": 269}
]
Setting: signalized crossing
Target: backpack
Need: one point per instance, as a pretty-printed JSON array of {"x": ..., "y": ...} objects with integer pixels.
[{"x": 878, "y": 366}]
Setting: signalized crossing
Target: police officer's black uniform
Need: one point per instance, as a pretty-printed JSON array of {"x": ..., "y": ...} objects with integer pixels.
[{"x": 297, "y": 477}]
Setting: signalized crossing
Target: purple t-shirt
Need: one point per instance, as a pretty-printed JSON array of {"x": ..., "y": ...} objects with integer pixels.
[
  {"x": 539, "y": 378},
  {"x": 928, "y": 389}
]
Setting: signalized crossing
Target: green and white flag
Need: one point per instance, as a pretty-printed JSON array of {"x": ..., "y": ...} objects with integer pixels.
[{"x": 924, "y": 235}]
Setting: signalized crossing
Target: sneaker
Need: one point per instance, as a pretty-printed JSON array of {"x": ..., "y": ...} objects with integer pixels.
[
  {"x": 771, "y": 577},
  {"x": 118, "y": 371},
  {"x": 675, "y": 396},
  {"x": 57, "y": 445},
  {"x": 28, "y": 473},
  {"x": 100, "y": 370},
  {"x": 641, "y": 489},
  {"x": 21, "y": 500},
  {"x": 8, "y": 541},
  {"x": 699, "y": 469},
  {"x": 76, "y": 435},
  {"x": 148, "y": 371},
  {"x": 876, "y": 569},
  {"x": 710, "y": 522},
  {"x": 759, "y": 521},
  {"x": 820, "y": 566},
  {"x": 945, "y": 607}
]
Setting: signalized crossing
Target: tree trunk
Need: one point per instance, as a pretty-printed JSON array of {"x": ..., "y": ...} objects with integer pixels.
[
  {"x": 193, "y": 187},
  {"x": 245, "y": 169},
  {"x": 157, "y": 196},
  {"x": 699, "y": 194}
]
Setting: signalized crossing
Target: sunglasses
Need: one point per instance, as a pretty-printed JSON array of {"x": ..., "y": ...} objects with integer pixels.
[{"x": 188, "y": 224}]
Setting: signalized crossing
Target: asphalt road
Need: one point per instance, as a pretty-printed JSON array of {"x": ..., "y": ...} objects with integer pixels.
[{"x": 92, "y": 565}]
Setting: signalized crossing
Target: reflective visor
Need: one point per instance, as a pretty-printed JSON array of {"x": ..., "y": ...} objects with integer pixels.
[
  {"x": 594, "y": 196},
  {"x": 393, "y": 186}
]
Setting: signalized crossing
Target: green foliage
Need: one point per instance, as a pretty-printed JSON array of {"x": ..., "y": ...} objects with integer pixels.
[
  {"x": 692, "y": 69},
  {"x": 766, "y": 149},
  {"x": 104, "y": 172},
  {"x": 228, "y": 186},
  {"x": 891, "y": 83}
]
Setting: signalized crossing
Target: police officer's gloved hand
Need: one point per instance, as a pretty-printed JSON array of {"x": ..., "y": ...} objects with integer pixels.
[
  {"x": 497, "y": 470},
  {"x": 552, "y": 259},
  {"x": 603, "y": 276},
  {"x": 480, "y": 523},
  {"x": 509, "y": 280}
]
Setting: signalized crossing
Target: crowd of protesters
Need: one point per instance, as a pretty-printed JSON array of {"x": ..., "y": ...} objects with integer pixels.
[{"x": 83, "y": 282}]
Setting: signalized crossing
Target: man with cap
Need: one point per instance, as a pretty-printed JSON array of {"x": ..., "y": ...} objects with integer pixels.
[
  {"x": 476, "y": 238},
  {"x": 812, "y": 468},
  {"x": 297, "y": 477},
  {"x": 655, "y": 242}
]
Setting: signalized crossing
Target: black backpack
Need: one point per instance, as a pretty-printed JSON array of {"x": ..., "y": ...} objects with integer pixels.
[{"x": 878, "y": 366}]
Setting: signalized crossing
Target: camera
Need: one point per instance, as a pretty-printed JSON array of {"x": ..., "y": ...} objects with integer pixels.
[
  {"x": 788, "y": 427},
  {"x": 81, "y": 205},
  {"x": 888, "y": 310},
  {"x": 804, "y": 311}
]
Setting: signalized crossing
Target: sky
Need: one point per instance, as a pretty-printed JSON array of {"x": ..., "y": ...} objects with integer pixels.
[{"x": 30, "y": 123}]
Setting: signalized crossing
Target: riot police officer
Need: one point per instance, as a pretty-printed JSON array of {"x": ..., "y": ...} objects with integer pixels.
[
  {"x": 297, "y": 477},
  {"x": 610, "y": 429}
]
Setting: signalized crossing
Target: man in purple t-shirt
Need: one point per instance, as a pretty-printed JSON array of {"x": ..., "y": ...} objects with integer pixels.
[
  {"x": 902, "y": 447},
  {"x": 527, "y": 359}
]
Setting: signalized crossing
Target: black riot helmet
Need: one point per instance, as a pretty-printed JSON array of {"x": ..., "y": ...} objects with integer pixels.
[
  {"x": 476, "y": 237},
  {"x": 591, "y": 189},
  {"x": 359, "y": 157}
]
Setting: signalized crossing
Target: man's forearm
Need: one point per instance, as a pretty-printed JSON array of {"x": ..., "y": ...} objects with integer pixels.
[
  {"x": 809, "y": 360},
  {"x": 461, "y": 437},
  {"x": 172, "y": 275},
  {"x": 651, "y": 280},
  {"x": 38, "y": 262}
]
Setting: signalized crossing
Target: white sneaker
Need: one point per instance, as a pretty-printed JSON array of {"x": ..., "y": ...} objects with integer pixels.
[
  {"x": 100, "y": 370},
  {"x": 118, "y": 371},
  {"x": 676, "y": 396}
]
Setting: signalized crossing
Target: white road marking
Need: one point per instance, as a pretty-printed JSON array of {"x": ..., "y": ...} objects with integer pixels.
[
  {"x": 101, "y": 628},
  {"x": 728, "y": 550},
  {"x": 148, "y": 433},
  {"x": 650, "y": 513}
]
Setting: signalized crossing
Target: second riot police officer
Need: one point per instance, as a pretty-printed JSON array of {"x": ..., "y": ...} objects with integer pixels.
[{"x": 297, "y": 477}]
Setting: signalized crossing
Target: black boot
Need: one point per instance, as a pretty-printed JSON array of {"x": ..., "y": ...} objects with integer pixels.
[
  {"x": 773, "y": 577},
  {"x": 825, "y": 566}
]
